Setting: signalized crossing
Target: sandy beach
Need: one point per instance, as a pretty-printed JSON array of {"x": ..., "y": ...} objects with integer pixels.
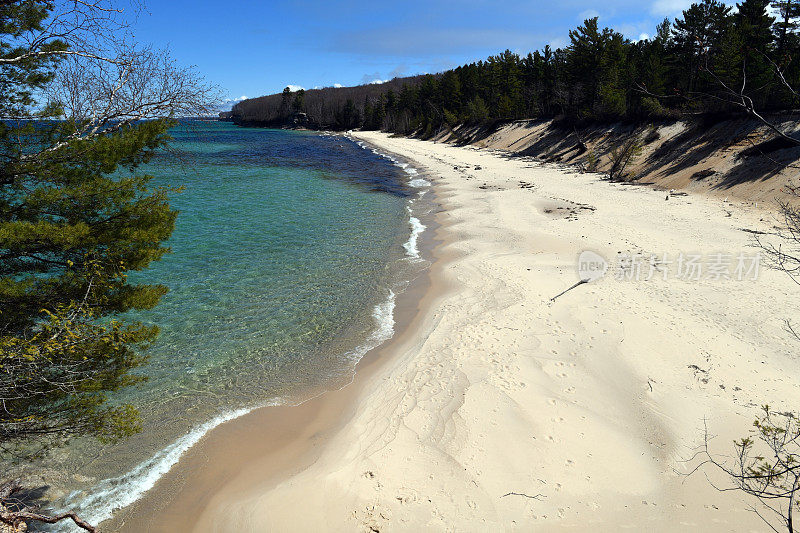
[{"x": 498, "y": 409}]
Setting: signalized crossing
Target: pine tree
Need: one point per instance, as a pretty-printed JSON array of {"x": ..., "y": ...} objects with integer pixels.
[
  {"x": 594, "y": 68},
  {"x": 697, "y": 35},
  {"x": 755, "y": 24},
  {"x": 75, "y": 218},
  {"x": 298, "y": 104},
  {"x": 788, "y": 14},
  {"x": 450, "y": 91},
  {"x": 349, "y": 117},
  {"x": 369, "y": 114},
  {"x": 654, "y": 68},
  {"x": 379, "y": 114},
  {"x": 477, "y": 112},
  {"x": 745, "y": 51},
  {"x": 286, "y": 101}
]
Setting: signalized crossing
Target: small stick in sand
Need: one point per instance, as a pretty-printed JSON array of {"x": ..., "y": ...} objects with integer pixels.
[
  {"x": 524, "y": 495},
  {"x": 581, "y": 282}
]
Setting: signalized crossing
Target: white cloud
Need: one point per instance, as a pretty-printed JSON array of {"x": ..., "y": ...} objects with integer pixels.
[
  {"x": 338, "y": 85},
  {"x": 377, "y": 82},
  {"x": 644, "y": 37},
  {"x": 588, "y": 14},
  {"x": 669, "y": 7},
  {"x": 371, "y": 78},
  {"x": 295, "y": 88}
]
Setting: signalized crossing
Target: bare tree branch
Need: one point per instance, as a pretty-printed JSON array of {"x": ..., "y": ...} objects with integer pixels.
[{"x": 14, "y": 512}]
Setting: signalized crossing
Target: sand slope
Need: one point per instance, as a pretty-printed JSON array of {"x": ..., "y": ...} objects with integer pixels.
[
  {"x": 736, "y": 158},
  {"x": 588, "y": 407}
]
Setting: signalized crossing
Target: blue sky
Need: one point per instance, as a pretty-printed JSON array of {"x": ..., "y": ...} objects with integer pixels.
[{"x": 251, "y": 48}]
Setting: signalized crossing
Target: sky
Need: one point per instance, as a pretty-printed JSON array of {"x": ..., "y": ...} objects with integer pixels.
[{"x": 251, "y": 48}]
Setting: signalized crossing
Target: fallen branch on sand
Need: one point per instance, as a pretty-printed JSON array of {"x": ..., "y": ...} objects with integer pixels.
[
  {"x": 536, "y": 497},
  {"x": 581, "y": 282}
]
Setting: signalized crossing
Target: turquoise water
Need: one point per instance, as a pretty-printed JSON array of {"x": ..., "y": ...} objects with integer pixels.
[
  {"x": 281, "y": 235},
  {"x": 285, "y": 258}
]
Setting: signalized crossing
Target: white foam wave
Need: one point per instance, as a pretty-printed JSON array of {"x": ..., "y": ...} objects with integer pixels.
[
  {"x": 116, "y": 493},
  {"x": 418, "y": 183},
  {"x": 384, "y": 320},
  {"x": 417, "y": 228}
]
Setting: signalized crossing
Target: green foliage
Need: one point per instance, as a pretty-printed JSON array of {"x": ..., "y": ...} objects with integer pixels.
[
  {"x": 786, "y": 24},
  {"x": 75, "y": 218},
  {"x": 349, "y": 117},
  {"x": 298, "y": 104},
  {"x": 652, "y": 107},
  {"x": 622, "y": 156},
  {"x": 592, "y": 161},
  {"x": 286, "y": 100},
  {"x": 450, "y": 118},
  {"x": 477, "y": 112},
  {"x": 767, "y": 466}
]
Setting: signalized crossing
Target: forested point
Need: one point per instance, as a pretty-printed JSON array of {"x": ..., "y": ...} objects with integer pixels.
[{"x": 713, "y": 59}]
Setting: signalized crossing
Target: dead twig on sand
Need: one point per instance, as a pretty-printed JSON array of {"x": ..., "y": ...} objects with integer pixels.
[
  {"x": 581, "y": 282},
  {"x": 536, "y": 497}
]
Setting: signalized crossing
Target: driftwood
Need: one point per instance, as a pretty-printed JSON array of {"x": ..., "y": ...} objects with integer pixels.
[
  {"x": 535, "y": 497},
  {"x": 581, "y": 282},
  {"x": 15, "y": 515}
]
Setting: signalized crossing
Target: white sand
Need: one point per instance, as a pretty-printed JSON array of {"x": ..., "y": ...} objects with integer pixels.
[{"x": 589, "y": 402}]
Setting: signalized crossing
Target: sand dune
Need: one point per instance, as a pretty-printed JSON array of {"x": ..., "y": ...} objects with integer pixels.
[{"x": 507, "y": 411}]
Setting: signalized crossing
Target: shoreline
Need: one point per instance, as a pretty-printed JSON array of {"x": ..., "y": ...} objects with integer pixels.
[
  {"x": 286, "y": 436},
  {"x": 497, "y": 408}
]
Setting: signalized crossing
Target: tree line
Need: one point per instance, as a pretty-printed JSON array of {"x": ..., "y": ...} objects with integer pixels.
[
  {"x": 691, "y": 65},
  {"x": 326, "y": 108}
]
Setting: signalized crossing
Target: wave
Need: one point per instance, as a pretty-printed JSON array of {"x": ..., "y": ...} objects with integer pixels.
[
  {"x": 417, "y": 228},
  {"x": 384, "y": 318},
  {"x": 113, "y": 494},
  {"x": 116, "y": 493}
]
